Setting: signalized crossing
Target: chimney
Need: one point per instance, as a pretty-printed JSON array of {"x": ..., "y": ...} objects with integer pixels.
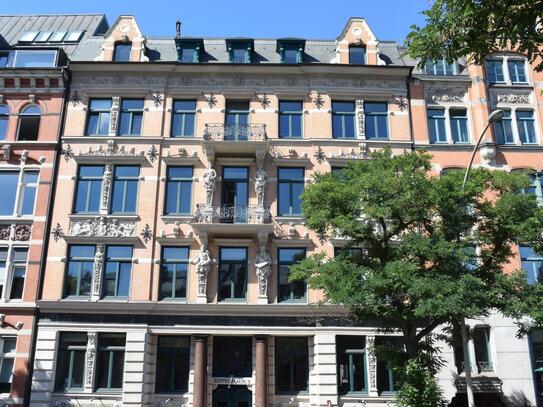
[{"x": 177, "y": 29}]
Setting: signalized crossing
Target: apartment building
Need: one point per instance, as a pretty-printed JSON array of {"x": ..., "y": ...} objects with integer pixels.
[{"x": 177, "y": 215}]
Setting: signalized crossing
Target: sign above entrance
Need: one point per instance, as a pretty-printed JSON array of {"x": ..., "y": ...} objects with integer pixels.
[{"x": 232, "y": 381}]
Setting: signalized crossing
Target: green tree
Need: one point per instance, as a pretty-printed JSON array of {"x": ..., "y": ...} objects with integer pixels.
[
  {"x": 419, "y": 269},
  {"x": 476, "y": 28}
]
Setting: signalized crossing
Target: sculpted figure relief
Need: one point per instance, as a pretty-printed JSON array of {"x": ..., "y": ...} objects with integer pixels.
[
  {"x": 203, "y": 264},
  {"x": 263, "y": 263},
  {"x": 209, "y": 178},
  {"x": 261, "y": 180}
]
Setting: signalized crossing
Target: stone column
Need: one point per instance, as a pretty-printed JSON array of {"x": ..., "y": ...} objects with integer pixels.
[
  {"x": 199, "y": 392},
  {"x": 372, "y": 366},
  {"x": 261, "y": 386},
  {"x": 91, "y": 361}
]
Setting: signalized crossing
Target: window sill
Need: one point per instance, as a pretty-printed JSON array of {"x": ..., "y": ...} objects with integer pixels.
[
  {"x": 233, "y": 301},
  {"x": 292, "y": 302},
  {"x": 173, "y": 301}
]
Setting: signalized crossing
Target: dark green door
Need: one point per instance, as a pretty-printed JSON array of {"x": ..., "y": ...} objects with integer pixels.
[{"x": 232, "y": 396}]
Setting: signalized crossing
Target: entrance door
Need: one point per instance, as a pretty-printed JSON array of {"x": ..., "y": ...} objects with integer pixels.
[
  {"x": 234, "y": 194},
  {"x": 237, "y": 119},
  {"x": 232, "y": 396}
]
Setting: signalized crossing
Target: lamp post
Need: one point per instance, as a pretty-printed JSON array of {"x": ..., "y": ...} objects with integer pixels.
[{"x": 495, "y": 116}]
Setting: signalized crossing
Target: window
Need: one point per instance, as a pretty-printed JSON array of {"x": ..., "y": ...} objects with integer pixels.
[
  {"x": 183, "y": 118},
  {"x": 290, "y": 119},
  {"x": 440, "y": 67},
  {"x": 28, "y": 36},
  {"x": 110, "y": 361},
  {"x": 504, "y": 129},
  {"x": 5, "y": 59},
  {"x": 517, "y": 72},
  {"x": 291, "y": 55},
  {"x": 291, "y": 50},
  {"x": 173, "y": 364},
  {"x": 376, "y": 117},
  {"x": 4, "y": 120},
  {"x": 21, "y": 203},
  {"x": 43, "y": 36},
  {"x": 232, "y": 356},
  {"x": 70, "y": 371},
  {"x": 179, "y": 191},
  {"x": 79, "y": 270},
  {"x": 291, "y": 365},
  {"x": 239, "y": 51},
  {"x": 131, "y": 117},
  {"x": 459, "y": 125},
  {"x": 352, "y": 252},
  {"x": 481, "y": 343},
  {"x": 357, "y": 55},
  {"x": 73, "y": 36},
  {"x": 99, "y": 115},
  {"x": 34, "y": 59},
  {"x": 188, "y": 54},
  {"x": 436, "y": 125},
  {"x": 18, "y": 272},
  {"x": 525, "y": 125},
  {"x": 89, "y": 189},
  {"x": 289, "y": 291},
  {"x": 173, "y": 273},
  {"x": 236, "y": 120},
  {"x": 122, "y": 51},
  {"x": 351, "y": 364},
  {"x": 232, "y": 273},
  {"x": 125, "y": 189},
  {"x": 532, "y": 264},
  {"x": 494, "y": 71},
  {"x": 3, "y": 268},
  {"x": 343, "y": 118},
  {"x": 29, "y": 123},
  {"x": 117, "y": 271},
  {"x": 290, "y": 188},
  {"x": 57, "y": 36},
  {"x": 6, "y": 363},
  {"x": 536, "y": 186},
  {"x": 386, "y": 382}
]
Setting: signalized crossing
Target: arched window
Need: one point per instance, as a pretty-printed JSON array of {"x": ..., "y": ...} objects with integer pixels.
[
  {"x": 29, "y": 123},
  {"x": 4, "y": 117},
  {"x": 122, "y": 52}
]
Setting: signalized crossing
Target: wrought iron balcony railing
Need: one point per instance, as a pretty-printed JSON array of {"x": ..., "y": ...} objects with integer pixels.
[
  {"x": 250, "y": 214},
  {"x": 235, "y": 132}
]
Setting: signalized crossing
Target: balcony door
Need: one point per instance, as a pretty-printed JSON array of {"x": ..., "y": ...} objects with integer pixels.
[
  {"x": 237, "y": 119},
  {"x": 234, "y": 194}
]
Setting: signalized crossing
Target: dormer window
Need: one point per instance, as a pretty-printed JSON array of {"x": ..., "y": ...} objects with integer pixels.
[
  {"x": 189, "y": 51},
  {"x": 357, "y": 55},
  {"x": 291, "y": 50},
  {"x": 122, "y": 52},
  {"x": 439, "y": 67},
  {"x": 240, "y": 50}
]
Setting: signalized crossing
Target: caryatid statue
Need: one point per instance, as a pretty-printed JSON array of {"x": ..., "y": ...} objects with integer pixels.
[
  {"x": 263, "y": 263},
  {"x": 210, "y": 179},
  {"x": 261, "y": 180},
  {"x": 203, "y": 264}
]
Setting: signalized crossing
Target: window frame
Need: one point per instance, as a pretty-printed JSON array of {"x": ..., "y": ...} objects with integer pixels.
[
  {"x": 89, "y": 189},
  {"x": 437, "y": 138},
  {"x": 29, "y": 116},
  {"x": 291, "y": 362},
  {"x": 364, "y": 54},
  {"x": 4, "y": 121},
  {"x": 492, "y": 78},
  {"x": 110, "y": 350},
  {"x": 175, "y": 261},
  {"x": 179, "y": 182},
  {"x": 20, "y": 190},
  {"x": 349, "y": 353},
  {"x": 532, "y": 259},
  {"x": 514, "y": 62},
  {"x": 72, "y": 349},
  {"x": 118, "y": 261},
  {"x": 524, "y": 121},
  {"x": 281, "y": 263},
  {"x": 10, "y": 264},
  {"x": 131, "y": 113},
  {"x": 8, "y": 356},
  {"x": 368, "y": 116},
  {"x": 344, "y": 115},
  {"x": 431, "y": 67},
  {"x": 487, "y": 342},
  {"x": 98, "y": 112},
  {"x": 291, "y": 182},
  {"x": 289, "y": 115},
  {"x": 220, "y": 272},
  {"x": 183, "y": 113},
  {"x": 124, "y": 181},
  {"x": 458, "y": 120},
  {"x": 173, "y": 352},
  {"x": 124, "y": 45},
  {"x": 70, "y": 259}
]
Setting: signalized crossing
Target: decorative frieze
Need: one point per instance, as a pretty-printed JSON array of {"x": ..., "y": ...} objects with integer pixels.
[
  {"x": 106, "y": 187},
  {"x": 102, "y": 226},
  {"x": 448, "y": 97},
  {"x": 513, "y": 98},
  {"x": 19, "y": 233},
  {"x": 372, "y": 364},
  {"x": 360, "y": 117},
  {"x": 91, "y": 359},
  {"x": 263, "y": 264},
  {"x": 98, "y": 269},
  {"x": 203, "y": 263},
  {"x": 114, "y": 115}
]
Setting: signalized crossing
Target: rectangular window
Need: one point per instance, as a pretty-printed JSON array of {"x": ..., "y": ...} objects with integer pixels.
[
  {"x": 232, "y": 273},
  {"x": 440, "y": 67},
  {"x": 122, "y": 51},
  {"x": 517, "y": 71},
  {"x": 70, "y": 371},
  {"x": 287, "y": 290},
  {"x": 8, "y": 186},
  {"x": 173, "y": 273},
  {"x": 28, "y": 192},
  {"x": 290, "y": 119},
  {"x": 131, "y": 117},
  {"x": 179, "y": 191},
  {"x": 117, "y": 271},
  {"x": 89, "y": 189},
  {"x": 290, "y": 188},
  {"x": 125, "y": 189},
  {"x": 436, "y": 125},
  {"x": 481, "y": 343},
  {"x": 110, "y": 361},
  {"x": 494, "y": 71},
  {"x": 79, "y": 271},
  {"x": 239, "y": 54},
  {"x": 343, "y": 120},
  {"x": 459, "y": 125},
  {"x": 526, "y": 128},
  {"x": 98, "y": 117},
  {"x": 532, "y": 264},
  {"x": 376, "y": 118},
  {"x": 173, "y": 364},
  {"x": 291, "y": 365},
  {"x": 35, "y": 59},
  {"x": 4, "y": 117},
  {"x": 357, "y": 55},
  {"x": 351, "y": 364},
  {"x": 386, "y": 382},
  {"x": 19, "y": 260},
  {"x": 3, "y": 268},
  {"x": 7, "y": 357},
  {"x": 183, "y": 118},
  {"x": 189, "y": 54},
  {"x": 504, "y": 129}
]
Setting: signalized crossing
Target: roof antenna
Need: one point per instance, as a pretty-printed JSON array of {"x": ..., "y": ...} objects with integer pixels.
[{"x": 177, "y": 29}]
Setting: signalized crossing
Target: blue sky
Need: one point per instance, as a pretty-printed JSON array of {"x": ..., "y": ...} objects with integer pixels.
[{"x": 389, "y": 19}]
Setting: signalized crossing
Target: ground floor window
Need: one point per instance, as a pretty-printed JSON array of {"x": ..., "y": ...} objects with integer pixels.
[
  {"x": 232, "y": 356},
  {"x": 172, "y": 371},
  {"x": 351, "y": 364},
  {"x": 110, "y": 361},
  {"x": 71, "y": 361},
  {"x": 7, "y": 357},
  {"x": 386, "y": 380},
  {"x": 291, "y": 365}
]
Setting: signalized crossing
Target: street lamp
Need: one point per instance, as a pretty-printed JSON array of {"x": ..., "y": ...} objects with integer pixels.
[{"x": 495, "y": 116}]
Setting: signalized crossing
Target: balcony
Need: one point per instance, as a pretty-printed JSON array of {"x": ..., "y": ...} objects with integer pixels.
[{"x": 235, "y": 139}]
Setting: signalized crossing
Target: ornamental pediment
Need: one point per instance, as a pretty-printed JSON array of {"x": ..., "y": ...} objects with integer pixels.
[{"x": 110, "y": 153}]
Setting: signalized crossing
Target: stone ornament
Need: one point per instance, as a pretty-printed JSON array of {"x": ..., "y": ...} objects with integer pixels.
[
  {"x": 447, "y": 98},
  {"x": 102, "y": 226},
  {"x": 19, "y": 233},
  {"x": 112, "y": 150},
  {"x": 203, "y": 262},
  {"x": 513, "y": 98},
  {"x": 114, "y": 115},
  {"x": 263, "y": 263},
  {"x": 91, "y": 358},
  {"x": 106, "y": 186},
  {"x": 5, "y": 232},
  {"x": 98, "y": 270},
  {"x": 22, "y": 232},
  {"x": 372, "y": 362},
  {"x": 360, "y": 117},
  {"x": 209, "y": 178},
  {"x": 261, "y": 180}
]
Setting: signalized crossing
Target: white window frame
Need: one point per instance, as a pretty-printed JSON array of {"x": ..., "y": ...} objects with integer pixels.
[
  {"x": 514, "y": 126},
  {"x": 448, "y": 129},
  {"x": 4, "y": 356},
  {"x": 505, "y": 67},
  {"x": 19, "y": 194},
  {"x": 8, "y": 274}
]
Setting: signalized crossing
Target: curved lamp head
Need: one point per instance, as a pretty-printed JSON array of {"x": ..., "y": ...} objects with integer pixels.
[{"x": 495, "y": 116}]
